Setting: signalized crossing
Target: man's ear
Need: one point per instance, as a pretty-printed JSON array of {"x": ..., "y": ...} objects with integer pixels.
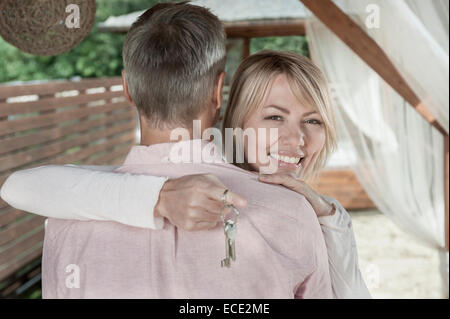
[
  {"x": 126, "y": 90},
  {"x": 217, "y": 98}
]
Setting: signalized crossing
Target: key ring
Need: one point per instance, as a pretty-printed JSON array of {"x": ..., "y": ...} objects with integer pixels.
[
  {"x": 224, "y": 197},
  {"x": 233, "y": 218},
  {"x": 235, "y": 212}
]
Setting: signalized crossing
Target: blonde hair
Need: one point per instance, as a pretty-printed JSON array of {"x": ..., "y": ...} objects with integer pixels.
[{"x": 252, "y": 80}]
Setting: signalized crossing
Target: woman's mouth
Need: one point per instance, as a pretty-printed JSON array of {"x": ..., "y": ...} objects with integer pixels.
[{"x": 292, "y": 162}]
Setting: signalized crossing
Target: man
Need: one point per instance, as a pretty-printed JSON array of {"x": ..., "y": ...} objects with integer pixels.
[{"x": 174, "y": 59}]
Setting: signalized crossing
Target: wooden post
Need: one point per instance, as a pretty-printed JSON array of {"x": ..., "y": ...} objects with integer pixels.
[
  {"x": 245, "y": 48},
  {"x": 446, "y": 194},
  {"x": 446, "y": 188},
  {"x": 369, "y": 51}
]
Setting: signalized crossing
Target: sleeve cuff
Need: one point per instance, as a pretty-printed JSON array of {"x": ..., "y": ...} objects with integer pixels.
[
  {"x": 140, "y": 205},
  {"x": 340, "y": 220}
]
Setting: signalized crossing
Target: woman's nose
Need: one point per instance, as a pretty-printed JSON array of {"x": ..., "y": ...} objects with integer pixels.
[{"x": 294, "y": 137}]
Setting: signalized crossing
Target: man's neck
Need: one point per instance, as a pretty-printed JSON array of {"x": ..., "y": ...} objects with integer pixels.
[{"x": 150, "y": 135}]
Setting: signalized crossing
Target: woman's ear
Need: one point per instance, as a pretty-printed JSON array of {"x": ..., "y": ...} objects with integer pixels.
[{"x": 126, "y": 90}]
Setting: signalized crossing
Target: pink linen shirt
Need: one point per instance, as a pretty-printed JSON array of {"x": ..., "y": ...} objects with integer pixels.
[{"x": 280, "y": 249}]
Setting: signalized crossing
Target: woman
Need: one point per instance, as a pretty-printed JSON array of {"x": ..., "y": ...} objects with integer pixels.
[{"x": 269, "y": 90}]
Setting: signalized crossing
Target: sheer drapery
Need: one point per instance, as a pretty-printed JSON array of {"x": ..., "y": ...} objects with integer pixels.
[{"x": 400, "y": 161}]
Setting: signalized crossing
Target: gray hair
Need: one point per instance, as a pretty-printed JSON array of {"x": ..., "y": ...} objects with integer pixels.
[{"x": 172, "y": 57}]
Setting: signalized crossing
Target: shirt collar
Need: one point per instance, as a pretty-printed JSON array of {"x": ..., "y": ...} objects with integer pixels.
[{"x": 190, "y": 151}]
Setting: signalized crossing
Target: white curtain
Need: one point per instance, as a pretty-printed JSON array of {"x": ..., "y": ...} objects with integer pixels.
[{"x": 400, "y": 158}]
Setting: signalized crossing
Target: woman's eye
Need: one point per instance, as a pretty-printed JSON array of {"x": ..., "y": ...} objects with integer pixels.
[
  {"x": 274, "y": 118},
  {"x": 315, "y": 122}
]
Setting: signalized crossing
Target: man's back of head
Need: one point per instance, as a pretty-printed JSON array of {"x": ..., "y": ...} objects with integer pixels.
[{"x": 173, "y": 55}]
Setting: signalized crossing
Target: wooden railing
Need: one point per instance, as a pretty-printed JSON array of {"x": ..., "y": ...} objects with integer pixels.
[{"x": 80, "y": 122}]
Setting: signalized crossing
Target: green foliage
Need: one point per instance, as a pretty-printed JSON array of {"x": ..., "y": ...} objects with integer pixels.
[{"x": 297, "y": 44}]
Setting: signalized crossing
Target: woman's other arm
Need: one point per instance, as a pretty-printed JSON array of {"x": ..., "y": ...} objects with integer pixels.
[
  {"x": 346, "y": 278},
  {"x": 191, "y": 202},
  {"x": 85, "y": 193}
]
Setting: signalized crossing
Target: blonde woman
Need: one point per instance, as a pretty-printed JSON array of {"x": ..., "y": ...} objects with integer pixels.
[{"x": 270, "y": 89}]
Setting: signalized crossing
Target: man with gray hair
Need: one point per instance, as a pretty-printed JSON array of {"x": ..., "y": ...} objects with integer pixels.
[{"x": 174, "y": 59}]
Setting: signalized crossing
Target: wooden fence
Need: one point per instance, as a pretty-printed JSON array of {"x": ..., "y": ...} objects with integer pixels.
[{"x": 81, "y": 122}]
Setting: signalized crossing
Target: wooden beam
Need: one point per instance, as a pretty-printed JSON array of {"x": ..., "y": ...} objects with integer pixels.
[
  {"x": 245, "y": 48},
  {"x": 446, "y": 188},
  {"x": 369, "y": 51},
  {"x": 265, "y": 28},
  {"x": 250, "y": 29}
]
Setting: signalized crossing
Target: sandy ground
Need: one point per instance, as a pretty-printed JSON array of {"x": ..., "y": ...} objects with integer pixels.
[{"x": 393, "y": 264}]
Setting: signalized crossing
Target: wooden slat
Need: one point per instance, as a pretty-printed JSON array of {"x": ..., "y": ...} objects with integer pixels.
[
  {"x": 54, "y": 103},
  {"x": 106, "y": 158},
  {"x": 369, "y": 51},
  {"x": 343, "y": 185},
  {"x": 19, "y": 263},
  {"x": 10, "y": 215},
  {"x": 337, "y": 176},
  {"x": 16, "y": 160},
  {"x": 3, "y": 178},
  {"x": 20, "y": 281},
  {"x": 54, "y": 86},
  {"x": 2, "y": 202},
  {"x": 94, "y": 149},
  {"x": 8, "y": 127},
  {"x": 77, "y": 156},
  {"x": 17, "y": 248},
  {"x": 15, "y": 143},
  {"x": 265, "y": 28},
  {"x": 20, "y": 229}
]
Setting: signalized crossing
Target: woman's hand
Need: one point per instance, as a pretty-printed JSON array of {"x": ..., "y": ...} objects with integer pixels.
[
  {"x": 320, "y": 205},
  {"x": 194, "y": 202}
]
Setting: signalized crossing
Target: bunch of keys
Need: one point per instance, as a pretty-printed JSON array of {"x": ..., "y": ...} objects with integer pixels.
[{"x": 229, "y": 216}]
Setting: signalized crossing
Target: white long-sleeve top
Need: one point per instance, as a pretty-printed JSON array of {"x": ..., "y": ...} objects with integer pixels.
[{"x": 97, "y": 193}]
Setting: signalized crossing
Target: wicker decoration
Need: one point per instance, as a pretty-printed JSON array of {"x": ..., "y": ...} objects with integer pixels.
[{"x": 39, "y": 26}]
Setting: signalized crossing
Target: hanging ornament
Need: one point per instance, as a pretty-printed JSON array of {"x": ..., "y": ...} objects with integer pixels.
[{"x": 46, "y": 27}]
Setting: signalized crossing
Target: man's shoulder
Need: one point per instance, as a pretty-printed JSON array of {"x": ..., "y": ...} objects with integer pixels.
[{"x": 274, "y": 198}]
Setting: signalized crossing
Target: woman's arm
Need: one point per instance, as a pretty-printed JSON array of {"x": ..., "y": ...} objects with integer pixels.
[
  {"x": 86, "y": 193},
  {"x": 191, "y": 202},
  {"x": 346, "y": 278}
]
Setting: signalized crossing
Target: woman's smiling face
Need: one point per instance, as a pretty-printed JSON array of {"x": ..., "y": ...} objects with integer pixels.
[{"x": 301, "y": 132}]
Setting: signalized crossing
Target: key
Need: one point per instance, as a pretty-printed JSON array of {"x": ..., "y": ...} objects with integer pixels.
[
  {"x": 226, "y": 262},
  {"x": 229, "y": 218},
  {"x": 231, "y": 236}
]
